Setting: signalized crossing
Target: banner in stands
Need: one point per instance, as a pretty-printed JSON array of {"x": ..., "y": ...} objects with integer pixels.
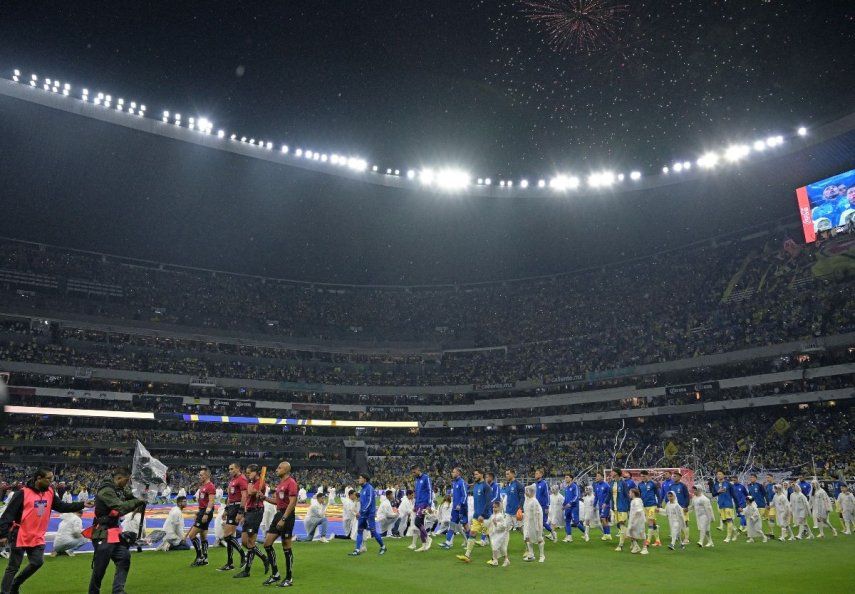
[
  {"x": 499, "y": 386},
  {"x": 563, "y": 379},
  {"x": 388, "y": 409},
  {"x": 232, "y": 403},
  {"x": 150, "y": 399},
  {"x": 827, "y": 204},
  {"x": 690, "y": 388}
]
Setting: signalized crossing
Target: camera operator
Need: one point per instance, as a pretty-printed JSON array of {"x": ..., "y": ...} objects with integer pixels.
[{"x": 113, "y": 500}]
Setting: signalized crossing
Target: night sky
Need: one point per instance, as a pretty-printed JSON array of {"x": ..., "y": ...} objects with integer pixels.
[
  {"x": 407, "y": 84},
  {"x": 465, "y": 81}
]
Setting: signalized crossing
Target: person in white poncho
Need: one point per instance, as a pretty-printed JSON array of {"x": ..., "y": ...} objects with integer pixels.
[
  {"x": 703, "y": 516},
  {"x": 556, "y": 507},
  {"x": 636, "y": 523},
  {"x": 498, "y": 528},
  {"x": 800, "y": 510},
  {"x": 532, "y": 524},
  {"x": 588, "y": 512},
  {"x": 821, "y": 507},
  {"x": 782, "y": 511},
  {"x": 676, "y": 521},
  {"x": 846, "y": 505},
  {"x": 753, "y": 521}
]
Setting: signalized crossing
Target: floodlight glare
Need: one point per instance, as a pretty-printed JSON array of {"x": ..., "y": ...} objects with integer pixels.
[
  {"x": 635, "y": 175},
  {"x": 16, "y": 72},
  {"x": 736, "y": 152},
  {"x": 708, "y": 160},
  {"x": 665, "y": 170},
  {"x": 541, "y": 183},
  {"x": 284, "y": 148},
  {"x": 678, "y": 167},
  {"x": 221, "y": 133},
  {"x": 524, "y": 183},
  {"x": 411, "y": 174},
  {"x": 802, "y": 131}
]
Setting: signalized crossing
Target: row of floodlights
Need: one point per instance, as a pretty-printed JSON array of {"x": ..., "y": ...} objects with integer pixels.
[{"x": 447, "y": 178}]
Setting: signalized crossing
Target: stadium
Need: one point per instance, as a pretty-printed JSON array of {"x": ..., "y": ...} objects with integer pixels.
[{"x": 241, "y": 351}]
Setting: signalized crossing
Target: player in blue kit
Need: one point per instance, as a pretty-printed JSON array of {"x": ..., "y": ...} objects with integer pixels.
[
  {"x": 620, "y": 487},
  {"x": 542, "y": 496},
  {"x": 740, "y": 500},
  {"x": 367, "y": 510},
  {"x": 571, "y": 507},
  {"x": 423, "y": 503},
  {"x": 482, "y": 504},
  {"x": 650, "y": 499},
  {"x": 603, "y": 503},
  {"x": 681, "y": 491},
  {"x": 514, "y": 496},
  {"x": 758, "y": 492},
  {"x": 459, "y": 505},
  {"x": 724, "y": 497}
]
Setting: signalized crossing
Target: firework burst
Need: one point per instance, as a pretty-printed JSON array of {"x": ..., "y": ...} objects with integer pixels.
[{"x": 576, "y": 25}]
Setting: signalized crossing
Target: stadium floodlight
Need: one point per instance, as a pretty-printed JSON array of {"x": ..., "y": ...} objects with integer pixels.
[
  {"x": 665, "y": 170},
  {"x": 324, "y": 158},
  {"x": 142, "y": 107},
  {"x": 621, "y": 177},
  {"x": 502, "y": 183},
  {"x": 452, "y": 178},
  {"x": 510, "y": 183},
  {"x": 635, "y": 175},
  {"x": 284, "y": 149},
  {"x": 411, "y": 174},
  {"x": 221, "y": 133},
  {"x": 46, "y": 87},
  {"x": 388, "y": 171},
  {"x": 736, "y": 152},
  {"x": 802, "y": 131},
  {"x": 374, "y": 168},
  {"x": 316, "y": 156},
  {"x": 480, "y": 181},
  {"x": 488, "y": 181},
  {"x": 678, "y": 167},
  {"x": 397, "y": 172},
  {"x": 34, "y": 77},
  {"x": 15, "y": 77},
  {"x": 97, "y": 101},
  {"x": 66, "y": 86},
  {"x": 243, "y": 138},
  {"x": 563, "y": 182},
  {"x": 133, "y": 104},
  {"x": 334, "y": 159},
  {"x": 687, "y": 165},
  {"x": 426, "y": 176},
  {"x": 47, "y": 80},
  {"x": 165, "y": 113},
  {"x": 121, "y": 101},
  {"x": 708, "y": 160},
  {"x": 357, "y": 164},
  {"x": 65, "y": 92},
  {"x": 541, "y": 183},
  {"x": 759, "y": 146},
  {"x": 298, "y": 152},
  {"x": 32, "y": 83},
  {"x": 85, "y": 91},
  {"x": 269, "y": 145},
  {"x": 602, "y": 179},
  {"x": 16, "y": 72},
  {"x": 524, "y": 183}
]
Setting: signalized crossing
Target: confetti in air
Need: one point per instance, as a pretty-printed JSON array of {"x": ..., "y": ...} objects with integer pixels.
[{"x": 576, "y": 25}]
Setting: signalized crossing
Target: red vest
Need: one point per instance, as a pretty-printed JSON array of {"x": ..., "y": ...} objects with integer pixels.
[{"x": 35, "y": 516}]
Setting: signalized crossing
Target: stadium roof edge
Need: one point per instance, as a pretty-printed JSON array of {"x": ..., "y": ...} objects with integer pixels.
[{"x": 151, "y": 125}]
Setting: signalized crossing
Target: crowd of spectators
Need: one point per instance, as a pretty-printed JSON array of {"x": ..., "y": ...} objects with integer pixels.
[
  {"x": 703, "y": 300},
  {"x": 817, "y": 440}
]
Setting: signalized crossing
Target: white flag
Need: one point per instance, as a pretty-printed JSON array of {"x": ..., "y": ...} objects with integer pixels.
[{"x": 148, "y": 474}]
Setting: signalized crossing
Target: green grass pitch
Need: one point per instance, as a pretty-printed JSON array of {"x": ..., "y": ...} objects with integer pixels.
[{"x": 819, "y": 565}]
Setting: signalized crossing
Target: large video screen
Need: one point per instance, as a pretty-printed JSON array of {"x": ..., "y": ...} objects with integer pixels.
[{"x": 827, "y": 204}]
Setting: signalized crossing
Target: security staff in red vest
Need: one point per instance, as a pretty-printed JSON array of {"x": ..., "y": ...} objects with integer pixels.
[{"x": 24, "y": 523}]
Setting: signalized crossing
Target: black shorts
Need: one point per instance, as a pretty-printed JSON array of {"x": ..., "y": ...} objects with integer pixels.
[
  {"x": 287, "y": 530},
  {"x": 199, "y": 524},
  {"x": 252, "y": 520},
  {"x": 233, "y": 510}
]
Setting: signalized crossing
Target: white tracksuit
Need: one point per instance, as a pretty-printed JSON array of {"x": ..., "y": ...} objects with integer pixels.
[
  {"x": 846, "y": 501},
  {"x": 385, "y": 516},
  {"x": 676, "y": 521},
  {"x": 703, "y": 516},
  {"x": 637, "y": 519},
  {"x": 753, "y": 521},
  {"x": 498, "y": 527},
  {"x": 68, "y": 535},
  {"x": 532, "y": 520}
]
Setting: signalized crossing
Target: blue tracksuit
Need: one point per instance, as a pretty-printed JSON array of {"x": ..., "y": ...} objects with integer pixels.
[
  {"x": 367, "y": 510},
  {"x": 739, "y": 494},
  {"x": 769, "y": 489},
  {"x": 805, "y": 487},
  {"x": 681, "y": 492},
  {"x": 621, "y": 502},
  {"x": 757, "y": 491},
  {"x": 514, "y": 493},
  {"x": 495, "y": 492},
  {"x": 663, "y": 491},
  {"x": 648, "y": 493},
  {"x": 571, "y": 508},
  {"x": 482, "y": 500},
  {"x": 724, "y": 494},
  {"x": 542, "y": 496},
  {"x": 603, "y": 498},
  {"x": 459, "y": 502},
  {"x": 423, "y": 491}
]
